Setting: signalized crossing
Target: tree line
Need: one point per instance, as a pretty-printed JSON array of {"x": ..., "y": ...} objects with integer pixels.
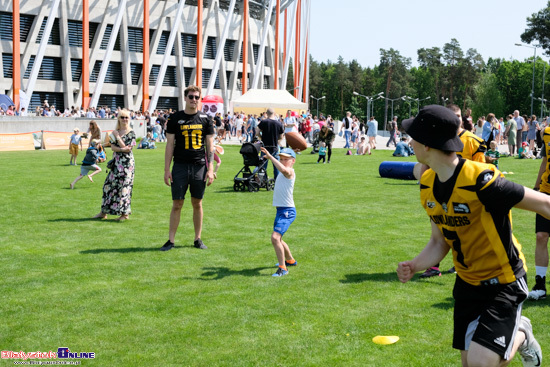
[{"x": 443, "y": 75}]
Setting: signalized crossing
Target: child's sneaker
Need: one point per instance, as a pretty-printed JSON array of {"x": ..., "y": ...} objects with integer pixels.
[
  {"x": 198, "y": 244},
  {"x": 167, "y": 246},
  {"x": 289, "y": 264},
  {"x": 280, "y": 272},
  {"x": 431, "y": 272},
  {"x": 539, "y": 290},
  {"x": 529, "y": 350}
]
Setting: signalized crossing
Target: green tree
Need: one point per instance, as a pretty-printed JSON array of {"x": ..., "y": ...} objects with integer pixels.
[
  {"x": 453, "y": 55},
  {"x": 488, "y": 97},
  {"x": 394, "y": 70},
  {"x": 538, "y": 29}
]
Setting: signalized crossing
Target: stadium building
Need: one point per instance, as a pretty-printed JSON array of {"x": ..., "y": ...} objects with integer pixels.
[{"x": 177, "y": 43}]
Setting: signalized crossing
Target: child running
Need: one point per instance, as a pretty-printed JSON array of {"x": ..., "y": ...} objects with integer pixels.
[
  {"x": 284, "y": 202},
  {"x": 89, "y": 163}
]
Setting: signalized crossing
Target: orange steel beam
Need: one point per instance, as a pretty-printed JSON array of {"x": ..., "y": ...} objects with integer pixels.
[
  {"x": 297, "y": 49},
  {"x": 16, "y": 75},
  {"x": 199, "y": 43},
  {"x": 245, "y": 47},
  {"x": 85, "y": 54},
  {"x": 276, "y": 78},
  {"x": 284, "y": 43},
  {"x": 145, "y": 68},
  {"x": 305, "y": 65}
]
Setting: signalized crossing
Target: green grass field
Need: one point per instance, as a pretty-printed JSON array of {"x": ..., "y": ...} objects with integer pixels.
[{"x": 103, "y": 287}]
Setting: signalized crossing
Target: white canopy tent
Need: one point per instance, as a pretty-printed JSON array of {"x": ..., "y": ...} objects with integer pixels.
[{"x": 256, "y": 101}]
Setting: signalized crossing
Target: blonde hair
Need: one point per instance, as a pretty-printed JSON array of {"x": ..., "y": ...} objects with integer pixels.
[
  {"x": 123, "y": 112},
  {"x": 95, "y": 142}
]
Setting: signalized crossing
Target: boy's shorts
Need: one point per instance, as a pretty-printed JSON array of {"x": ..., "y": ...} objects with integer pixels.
[
  {"x": 73, "y": 150},
  {"x": 542, "y": 224},
  {"x": 488, "y": 315},
  {"x": 188, "y": 175},
  {"x": 85, "y": 169},
  {"x": 283, "y": 219}
]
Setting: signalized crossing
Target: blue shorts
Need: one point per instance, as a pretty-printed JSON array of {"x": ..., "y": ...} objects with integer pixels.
[{"x": 284, "y": 218}]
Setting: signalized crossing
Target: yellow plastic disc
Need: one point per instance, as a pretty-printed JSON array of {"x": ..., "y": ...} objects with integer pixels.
[{"x": 384, "y": 340}]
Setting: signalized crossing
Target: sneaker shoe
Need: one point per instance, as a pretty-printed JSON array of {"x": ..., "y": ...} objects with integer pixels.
[
  {"x": 431, "y": 272},
  {"x": 529, "y": 350},
  {"x": 280, "y": 272},
  {"x": 539, "y": 290},
  {"x": 198, "y": 244},
  {"x": 452, "y": 270},
  {"x": 167, "y": 246}
]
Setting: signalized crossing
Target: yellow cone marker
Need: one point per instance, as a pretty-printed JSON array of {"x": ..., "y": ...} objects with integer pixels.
[{"x": 384, "y": 340}]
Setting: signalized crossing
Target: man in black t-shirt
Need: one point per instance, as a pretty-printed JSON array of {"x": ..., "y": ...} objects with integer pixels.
[
  {"x": 271, "y": 133},
  {"x": 187, "y": 133}
]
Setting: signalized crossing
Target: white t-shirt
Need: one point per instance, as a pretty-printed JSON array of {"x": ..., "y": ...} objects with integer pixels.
[
  {"x": 290, "y": 120},
  {"x": 283, "y": 191}
]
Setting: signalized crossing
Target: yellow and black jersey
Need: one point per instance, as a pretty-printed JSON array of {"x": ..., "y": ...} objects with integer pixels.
[
  {"x": 474, "y": 147},
  {"x": 190, "y": 136},
  {"x": 472, "y": 210},
  {"x": 545, "y": 181}
]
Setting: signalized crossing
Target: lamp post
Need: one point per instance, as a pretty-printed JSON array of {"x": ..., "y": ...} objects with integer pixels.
[
  {"x": 323, "y": 97},
  {"x": 542, "y": 103},
  {"x": 369, "y": 101},
  {"x": 408, "y": 99},
  {"x": 443, "y": 100},
  {"x": 534, "y": 47}
]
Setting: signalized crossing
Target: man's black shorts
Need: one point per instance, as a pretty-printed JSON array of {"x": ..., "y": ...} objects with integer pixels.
[
  {"x": 542, "y": 224},
  {"x": 488, "y": 315},
  {"x": 186, "y": 175}
]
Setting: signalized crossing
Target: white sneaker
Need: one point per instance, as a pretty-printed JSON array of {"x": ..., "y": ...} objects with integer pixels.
[
  {"x": 537, "y": 294},
  {"x": 530, "y": 351}
]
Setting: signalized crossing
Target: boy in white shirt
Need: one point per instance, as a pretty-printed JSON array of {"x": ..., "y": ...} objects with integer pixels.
[{"x": 284, "y": 202}]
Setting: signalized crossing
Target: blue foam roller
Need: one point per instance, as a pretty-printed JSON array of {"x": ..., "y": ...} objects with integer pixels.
[{"x": 399, "y": 170}]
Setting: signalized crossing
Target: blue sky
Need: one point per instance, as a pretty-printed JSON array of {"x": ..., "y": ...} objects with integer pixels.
[{"x": 357, "y": 29}]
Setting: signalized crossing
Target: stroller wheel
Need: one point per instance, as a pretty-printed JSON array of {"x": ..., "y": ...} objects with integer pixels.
[
  {"x": 253, "y": 186},
  {"x": 237, "y": 186},
  {"x": 270, "y": 184}
]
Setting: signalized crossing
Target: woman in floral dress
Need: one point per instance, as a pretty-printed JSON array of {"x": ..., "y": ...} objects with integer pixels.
[{"x": 117, "y": 189}]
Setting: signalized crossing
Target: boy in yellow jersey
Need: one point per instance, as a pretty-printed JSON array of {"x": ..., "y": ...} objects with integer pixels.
[
  {"x": 542, "y": 226},
  {"x": 474, "y": 150},
  {"x": 469, "y": 207}
]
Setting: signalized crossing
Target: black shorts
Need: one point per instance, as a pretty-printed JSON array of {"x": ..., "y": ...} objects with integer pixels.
[
  {"x": 542, "y": 224},
  {"x": 186, "y": 175},
  {"x": 488, "y": 315}
]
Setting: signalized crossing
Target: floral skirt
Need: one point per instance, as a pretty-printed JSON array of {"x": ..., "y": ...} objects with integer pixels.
[{"x": 117, "y": 189}]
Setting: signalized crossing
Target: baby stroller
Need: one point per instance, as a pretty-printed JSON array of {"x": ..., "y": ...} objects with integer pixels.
[
  {"x": 315, "y": 146},
  {"x": 253, "y": 180}
]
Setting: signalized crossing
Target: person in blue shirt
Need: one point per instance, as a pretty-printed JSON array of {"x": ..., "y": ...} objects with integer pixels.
[{"x": 402, "y": 149}]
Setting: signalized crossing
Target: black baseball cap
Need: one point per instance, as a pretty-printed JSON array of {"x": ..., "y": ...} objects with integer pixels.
[{"x": 436, "y": 127}]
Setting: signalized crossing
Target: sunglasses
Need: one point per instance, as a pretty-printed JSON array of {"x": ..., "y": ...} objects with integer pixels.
[
  {"x": 124, "y": 117},
  {"x": 191, "y": 97}
]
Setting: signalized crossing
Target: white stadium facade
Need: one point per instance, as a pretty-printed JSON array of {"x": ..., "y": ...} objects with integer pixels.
[{"x": 185, "y": 42}]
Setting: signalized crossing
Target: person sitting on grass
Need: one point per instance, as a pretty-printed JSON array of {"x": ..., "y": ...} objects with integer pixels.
[
  {"x": 492, "y": 155},
  {"x": 402, "y": 149},
  {"x": 523, "y": 151},
  {"x": 147, "y": 142},
  {"x": 363, "y": 147},
  {"x": 101, "y": 157},
  {"x": 283, "y": 200},
  {"x": 89, "y": 163}
]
